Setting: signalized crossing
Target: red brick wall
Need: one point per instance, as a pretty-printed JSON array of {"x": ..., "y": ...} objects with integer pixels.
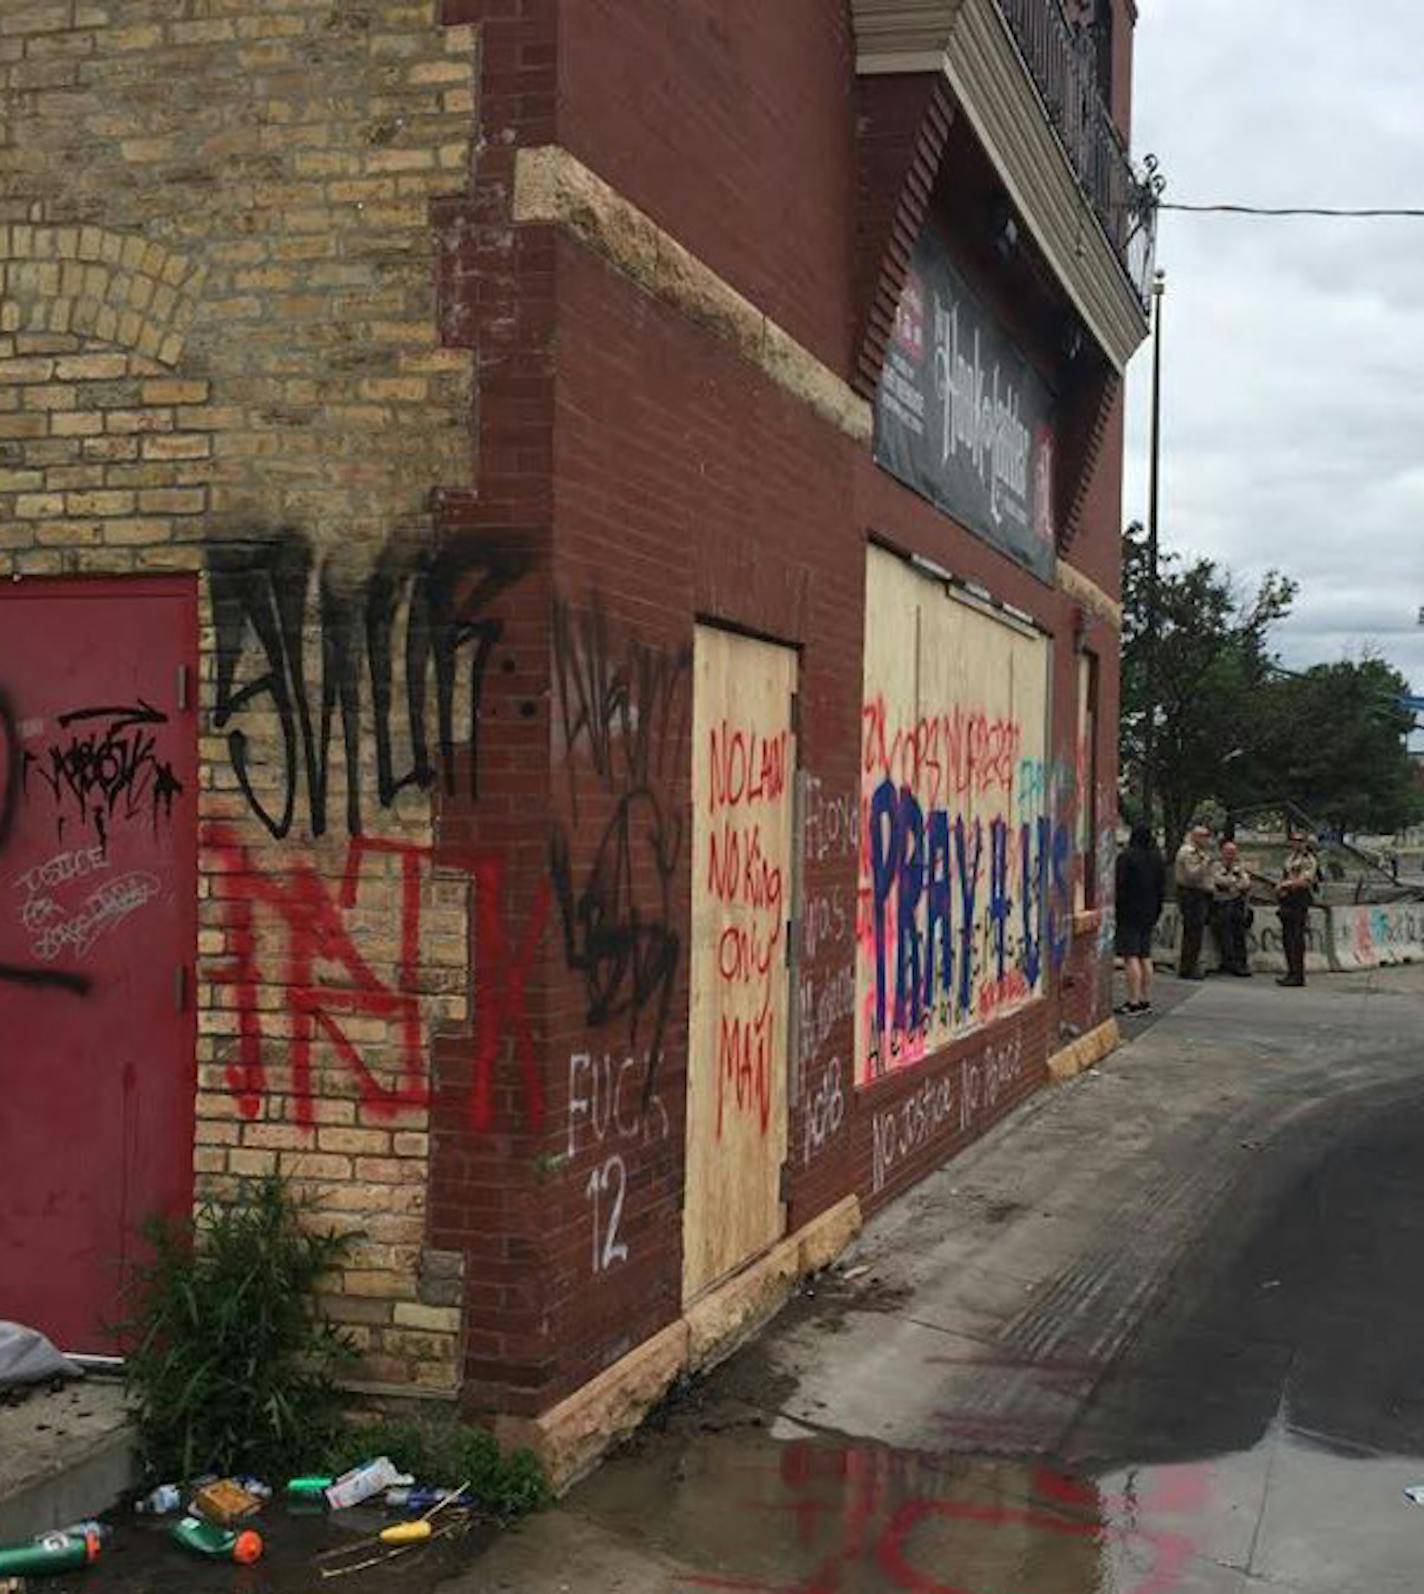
[
  {"x": 1124, "y": 26},
  {"x": 687, "y": 485},
  {"x": 652, "y": 477},
  {"x": 731, "y": 123},
  {"x": 1097, "y": 545},
  {"x": 903, "y": 124}
]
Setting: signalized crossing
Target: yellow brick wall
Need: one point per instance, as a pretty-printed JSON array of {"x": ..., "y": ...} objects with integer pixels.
[{"x": 219, "y": 328}]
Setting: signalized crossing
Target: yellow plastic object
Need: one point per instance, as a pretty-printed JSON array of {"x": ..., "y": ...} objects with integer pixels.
[{"x": 406, "y": 1533}]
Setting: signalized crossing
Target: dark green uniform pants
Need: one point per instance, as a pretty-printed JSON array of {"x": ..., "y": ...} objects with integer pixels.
[{"x": 1293, "y": 911}]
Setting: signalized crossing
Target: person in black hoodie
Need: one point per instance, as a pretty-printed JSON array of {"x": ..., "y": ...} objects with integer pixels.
[{"x": 1141, "y": 889}]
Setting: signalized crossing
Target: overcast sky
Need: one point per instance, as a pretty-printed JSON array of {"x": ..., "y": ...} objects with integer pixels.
[{"x": 1293, "y": 368}]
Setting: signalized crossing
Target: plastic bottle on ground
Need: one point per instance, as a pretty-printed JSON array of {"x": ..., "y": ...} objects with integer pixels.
[
  {"x": 160, "y": 1501},
  {"x": 217, "y": 1543},
  {"x": 420, "y": 1499},
  {"x": 50, "y": 1553}
]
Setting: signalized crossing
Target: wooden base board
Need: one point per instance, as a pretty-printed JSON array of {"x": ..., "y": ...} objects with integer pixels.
[
  {"x": 571, "y": 1437},
  {"x": 1084, "y": 1052}
]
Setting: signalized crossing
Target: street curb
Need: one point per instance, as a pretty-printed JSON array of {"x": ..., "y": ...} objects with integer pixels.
[
  {"x": 78, "y": 1487},
  {"x": 1084, "y": 1052}
]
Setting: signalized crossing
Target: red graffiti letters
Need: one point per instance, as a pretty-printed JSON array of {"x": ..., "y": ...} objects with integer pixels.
[
  {"x": 501, "y": 971},
  {"x": 748, "y": 774},
  {"x": 326, "y": 983}
]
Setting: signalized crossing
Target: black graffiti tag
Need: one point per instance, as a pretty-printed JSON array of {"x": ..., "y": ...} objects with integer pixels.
[
  {"x": 627, "y": 707},
  {"x": 617, "y": 928},
  {"x": 426, "y": 606},
  {"x": 624, "y": 705},
  {"x": 108, "y": 767}
]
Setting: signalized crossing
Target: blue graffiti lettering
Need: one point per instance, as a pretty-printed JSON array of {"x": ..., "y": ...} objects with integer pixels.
[
  {"x": 907, "y": 940},
  {"x": 1059, "y": 901},
  {"x": 968, "y": 890},
  {"x": 939, "y": 933},
  {"x": 885, "y": 849},
  {"x": 1000, "y": 903}
]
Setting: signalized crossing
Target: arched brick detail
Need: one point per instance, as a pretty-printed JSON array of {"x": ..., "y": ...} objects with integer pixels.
[
  {"x": 904, "y": 127},
  {"x": 1080, "y": 445},
  {"x": 92, "y": 282}
]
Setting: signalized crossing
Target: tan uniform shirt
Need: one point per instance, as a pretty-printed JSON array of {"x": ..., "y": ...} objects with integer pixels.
[
  {"x": 1193, "y": 867},
  {"x": 1230, "y": 882},
  {"x": 1300, "y": 875}
]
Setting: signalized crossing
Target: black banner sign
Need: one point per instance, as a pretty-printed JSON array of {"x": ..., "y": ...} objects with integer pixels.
[{"x": 962, "y": 418}]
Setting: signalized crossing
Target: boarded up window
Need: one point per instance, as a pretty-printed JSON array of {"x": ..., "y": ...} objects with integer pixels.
[{"x": 959, "y": 859}]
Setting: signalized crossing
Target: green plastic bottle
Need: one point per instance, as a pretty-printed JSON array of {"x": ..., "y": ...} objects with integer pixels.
[
  {"x": 51, "y": 1552},
  {"x": 309, "y": 1485},
  {"x": 218, "y": 1544}
]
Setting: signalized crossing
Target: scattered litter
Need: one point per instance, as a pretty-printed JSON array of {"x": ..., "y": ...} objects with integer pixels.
[
  {"x": 49, "y": 1554},
  {"x": 1271, "y": 1284},
  {"x": 336, "y": 1563},
  {"x": 159, "y": 1502},
  {"x": 387, "y": 1552},
  {"x": 370, "y": 1478},
  {"x": 1253, "y": 1145},
  {"x": 226, "y": 1501},
  {"x": 856, "y": 1272},
  {"x": 217, "y": 1543},
  {"x": 1415, "y": 1494}
]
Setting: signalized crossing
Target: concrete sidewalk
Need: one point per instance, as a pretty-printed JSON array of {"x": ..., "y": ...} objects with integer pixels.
[
  {"x": 1039, "y": 1300},
  {"x": 65, "y": 1454}
]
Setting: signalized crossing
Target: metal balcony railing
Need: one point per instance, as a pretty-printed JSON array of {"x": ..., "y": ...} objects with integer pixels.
[{"x": 1061, "y": 60}]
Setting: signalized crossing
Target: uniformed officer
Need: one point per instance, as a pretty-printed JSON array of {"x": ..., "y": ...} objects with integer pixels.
[
  {"x": 1294, "y": 895},
  {"x": 1193, "y": 871},
  {"x": 1231, "y": 890}
]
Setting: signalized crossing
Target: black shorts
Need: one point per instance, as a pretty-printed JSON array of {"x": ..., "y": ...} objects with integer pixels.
[{"x": 1133, "y": 940}]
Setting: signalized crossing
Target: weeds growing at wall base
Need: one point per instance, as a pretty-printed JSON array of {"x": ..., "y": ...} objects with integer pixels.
[
  {"x": 230, "y": 1364},
  {"x": 232, "y": 1367}
]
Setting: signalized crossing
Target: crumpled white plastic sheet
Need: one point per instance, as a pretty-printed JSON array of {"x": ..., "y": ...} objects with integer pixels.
[{"x": 27, "y": 1357}]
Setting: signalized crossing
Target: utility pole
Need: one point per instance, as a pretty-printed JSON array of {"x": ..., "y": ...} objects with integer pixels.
[{"x": 1149, "y": 749}]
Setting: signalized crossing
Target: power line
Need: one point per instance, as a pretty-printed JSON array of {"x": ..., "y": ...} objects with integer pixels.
[{"x": 1294, "y": 210}]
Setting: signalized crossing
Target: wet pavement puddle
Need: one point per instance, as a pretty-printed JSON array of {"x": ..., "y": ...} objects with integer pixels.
[{"x": 816, "y": 1515}]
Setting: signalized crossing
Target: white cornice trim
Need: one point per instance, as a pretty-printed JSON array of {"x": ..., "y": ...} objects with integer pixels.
[
  {"x": 987, "y": 75},
  {"x": 906, "y": 30},
  {"x": 970, "y": 42},
  {"x": 883, "y": 62},
  {"x": 553, "y": 186}
]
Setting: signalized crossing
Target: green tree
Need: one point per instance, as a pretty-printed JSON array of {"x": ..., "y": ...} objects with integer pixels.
[
  {"x": 1209, "y": 645},
  {"x": 1335, "y": 742}
]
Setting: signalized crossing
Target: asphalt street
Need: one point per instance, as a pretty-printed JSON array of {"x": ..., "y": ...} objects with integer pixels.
[{"x": 1161, "y": 1333}]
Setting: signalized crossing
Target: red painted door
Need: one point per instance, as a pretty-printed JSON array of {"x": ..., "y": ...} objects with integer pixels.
[{"x": 98, "y": 889}]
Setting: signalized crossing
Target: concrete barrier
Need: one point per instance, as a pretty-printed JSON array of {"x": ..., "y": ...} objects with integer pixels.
[
  {"x": 1265, "y": 951},
  {"x": 1378, "y": 933}
]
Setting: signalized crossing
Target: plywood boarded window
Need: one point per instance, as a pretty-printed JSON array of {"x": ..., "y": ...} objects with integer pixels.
[
  {"x": 959, "y": 858},
  {"x": 743, "y": 783}
]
